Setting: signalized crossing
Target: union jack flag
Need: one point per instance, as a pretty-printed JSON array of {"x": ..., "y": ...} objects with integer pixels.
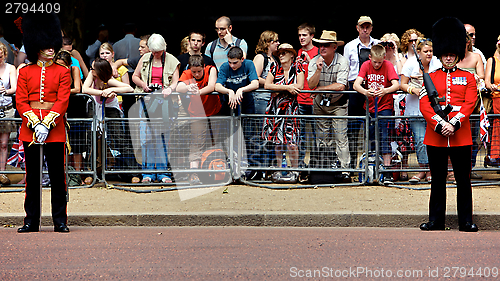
[
  {"x": 484, "y": 124},
  {"x": 16, "y": 158}
]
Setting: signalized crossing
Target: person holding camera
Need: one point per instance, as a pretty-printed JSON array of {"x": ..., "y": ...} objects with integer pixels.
[
  {"x": 157, "y": 71},
  {"x": 328, "y": 72},
  {"x": 390, "y": 41}
]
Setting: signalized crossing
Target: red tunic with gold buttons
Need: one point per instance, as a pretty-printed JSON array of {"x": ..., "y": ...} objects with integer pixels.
[
  {"x": 458, "y": 88},
  {"x": 42, "y": 96}
]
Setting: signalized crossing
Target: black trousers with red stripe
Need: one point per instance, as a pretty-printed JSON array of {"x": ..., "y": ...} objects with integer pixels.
[
  {"x": 55, "y": 155},
  {"x": 460, "y": 157}
]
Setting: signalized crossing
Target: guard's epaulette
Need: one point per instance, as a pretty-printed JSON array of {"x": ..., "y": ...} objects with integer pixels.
[
  {"x": 23, "y": 65},
  {"x": 56, "y": 62}
]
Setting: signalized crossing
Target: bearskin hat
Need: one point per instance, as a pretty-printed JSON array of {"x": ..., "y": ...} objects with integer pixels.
[
  {"x": 40, "y": 31},
  {"x": 449, "y": 36}
]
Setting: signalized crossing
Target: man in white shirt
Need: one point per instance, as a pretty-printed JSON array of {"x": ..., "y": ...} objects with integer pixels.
[
  {"x": 364, "y": 41},
  {"x": 353, "y": 51}
]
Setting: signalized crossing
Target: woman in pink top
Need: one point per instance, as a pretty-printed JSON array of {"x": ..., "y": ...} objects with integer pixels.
[{"x": 157, "y": 71}]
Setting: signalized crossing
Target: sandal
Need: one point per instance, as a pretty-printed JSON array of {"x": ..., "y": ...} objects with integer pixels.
[
  {"x": 4, "y": 180},
  {"x": 291, "y": 177},
  {"x": 414, "y": 180},
  {"x": 166, "y": 179},
  {"x": 450, "y": 177},
  {"x": 88, "y": 180}
]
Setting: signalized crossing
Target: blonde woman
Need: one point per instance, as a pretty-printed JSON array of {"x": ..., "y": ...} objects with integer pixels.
[
  {"x": 121, "y": 74},
  {"x": 8, "y": 84},
  {"x": 106, "y": 52},
  {"x": 391, "y": 43}
]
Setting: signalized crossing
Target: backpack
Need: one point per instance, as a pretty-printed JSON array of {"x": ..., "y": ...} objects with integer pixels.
[
  {"x": 213, "y": 159},
  {"x": 369, "y": 177}
]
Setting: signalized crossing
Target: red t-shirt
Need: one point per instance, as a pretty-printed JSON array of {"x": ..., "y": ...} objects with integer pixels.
[
  {"x": 305, "y": 98},
  {"x": 377, "y": 79},
  {"x": 201, "y": 105}
]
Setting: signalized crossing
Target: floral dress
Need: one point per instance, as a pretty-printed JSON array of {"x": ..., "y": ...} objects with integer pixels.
[{"x": 282, "y": 130}]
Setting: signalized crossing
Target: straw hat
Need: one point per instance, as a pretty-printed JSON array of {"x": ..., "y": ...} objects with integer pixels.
[
  {"x": 329, "y": 37},
  {"x": 287, "y": 47}
]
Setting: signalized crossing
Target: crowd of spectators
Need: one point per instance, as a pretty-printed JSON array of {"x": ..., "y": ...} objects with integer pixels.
[{"x": 374, "y": 68}]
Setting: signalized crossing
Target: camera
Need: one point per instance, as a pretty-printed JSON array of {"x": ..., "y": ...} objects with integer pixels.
[
  {"x": 387, "y": 44},
  {"x": 326, "y": 100},
  {"x": 155, "y": 88}
]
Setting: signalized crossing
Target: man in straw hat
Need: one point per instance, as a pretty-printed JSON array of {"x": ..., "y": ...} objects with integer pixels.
[
  {"x": 449, "y": 135},
  {"x": 42, "y": 97},
  {"x": 328, "y": 72}
]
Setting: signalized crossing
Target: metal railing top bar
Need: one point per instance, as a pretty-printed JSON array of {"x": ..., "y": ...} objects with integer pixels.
[
  {"x": 305, "y": 116},
  {"x": 260, "y": 90}
]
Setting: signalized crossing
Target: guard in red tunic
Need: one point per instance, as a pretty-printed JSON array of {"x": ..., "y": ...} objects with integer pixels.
[
  {"x": 450, "y": 135},
  {"x": 42, "y": 96}
]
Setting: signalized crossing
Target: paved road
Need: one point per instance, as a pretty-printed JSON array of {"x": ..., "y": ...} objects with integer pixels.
[{"x": 248, "y": 253}]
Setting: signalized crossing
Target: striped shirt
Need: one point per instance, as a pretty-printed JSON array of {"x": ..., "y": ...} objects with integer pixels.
[
  {"x": 220, "y": 53},
  {"x": 336, "y": 72}
]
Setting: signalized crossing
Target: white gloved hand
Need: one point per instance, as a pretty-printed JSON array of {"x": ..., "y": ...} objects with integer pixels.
[{"x": 41, "y": 133}]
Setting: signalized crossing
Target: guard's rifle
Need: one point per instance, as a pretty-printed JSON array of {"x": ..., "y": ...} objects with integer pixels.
[{"x": 432, "y": 92}]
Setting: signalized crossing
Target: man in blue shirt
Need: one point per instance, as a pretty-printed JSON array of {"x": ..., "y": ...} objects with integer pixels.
[
  {"x": 237, "y": 78},
  {"x": 218, "y": 48}
]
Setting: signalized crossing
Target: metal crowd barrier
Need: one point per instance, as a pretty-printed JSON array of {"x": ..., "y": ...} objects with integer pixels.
[
  {"x": 405, "y": 151},
  {"x": 82, "y": 136},
  {"x": 157, "y": 145},
  {"x": 113, "y": 149}
]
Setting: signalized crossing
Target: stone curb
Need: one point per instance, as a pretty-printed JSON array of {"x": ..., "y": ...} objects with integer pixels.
[{"x": 485, "y": 221}]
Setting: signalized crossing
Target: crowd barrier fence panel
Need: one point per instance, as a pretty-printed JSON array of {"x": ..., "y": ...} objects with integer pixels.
[
  {"x": 81, "y": 135},
  {"x": 406, "y": 159},
  {"x": 320, "y": 155},
  {"x": 157, "y": 146}
]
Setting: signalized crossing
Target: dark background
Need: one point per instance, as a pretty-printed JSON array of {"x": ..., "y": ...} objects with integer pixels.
[{"x": 174, "y": 20}]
